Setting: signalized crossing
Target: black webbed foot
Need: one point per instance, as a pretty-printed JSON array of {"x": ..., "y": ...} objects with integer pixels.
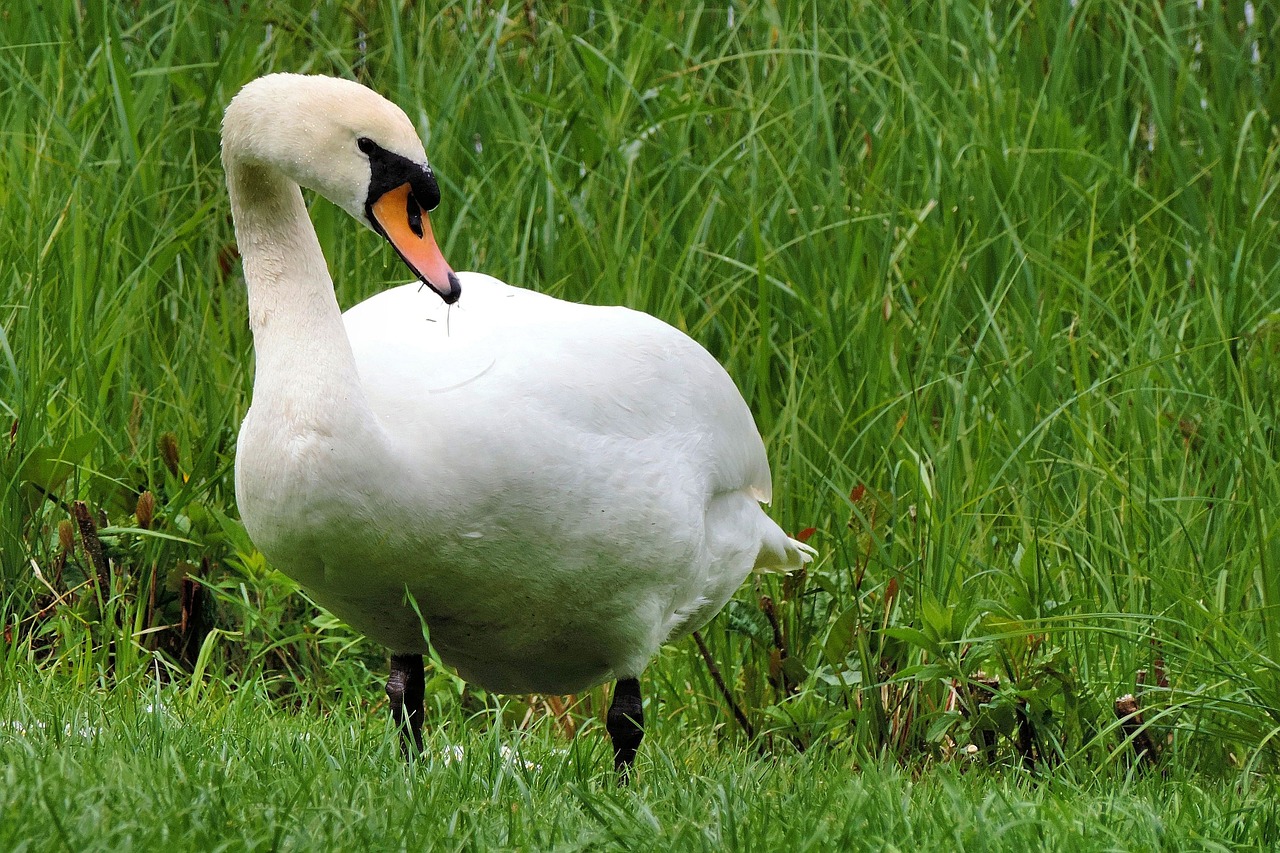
[
  {"x": 625, "y": 724},
  {"x": 406, "y": 687}
]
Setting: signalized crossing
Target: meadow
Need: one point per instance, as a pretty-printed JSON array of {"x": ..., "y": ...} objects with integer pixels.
[{"x": 1000, "y": 282}]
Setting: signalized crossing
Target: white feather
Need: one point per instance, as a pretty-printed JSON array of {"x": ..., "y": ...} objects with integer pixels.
[{"x": 561, "y": 488}]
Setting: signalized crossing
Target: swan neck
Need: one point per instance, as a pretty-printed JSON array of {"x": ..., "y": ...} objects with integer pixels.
[{"x": 300, "y": 344}]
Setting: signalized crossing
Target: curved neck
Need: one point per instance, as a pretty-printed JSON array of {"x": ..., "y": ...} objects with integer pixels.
[{"x": 304, "y": 363}]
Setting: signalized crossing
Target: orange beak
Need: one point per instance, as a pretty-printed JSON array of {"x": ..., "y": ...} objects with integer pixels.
[{"x": 406, "y": 226}]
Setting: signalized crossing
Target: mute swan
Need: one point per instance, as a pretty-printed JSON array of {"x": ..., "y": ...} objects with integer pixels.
[{"x": 559, "y": 488}]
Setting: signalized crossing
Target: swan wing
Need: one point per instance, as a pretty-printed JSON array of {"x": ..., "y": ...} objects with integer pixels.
[
  {"x": 435, "y": 371},
  {"x": 591, "y": 456}
]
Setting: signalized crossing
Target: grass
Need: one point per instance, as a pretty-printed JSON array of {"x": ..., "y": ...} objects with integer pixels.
[
  {"x": 144, "y": 769},
  {"x": 1000, "y": 282}
]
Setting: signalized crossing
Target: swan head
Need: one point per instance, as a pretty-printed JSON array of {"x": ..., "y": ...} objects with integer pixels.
[{"x": 351, "y": 145}]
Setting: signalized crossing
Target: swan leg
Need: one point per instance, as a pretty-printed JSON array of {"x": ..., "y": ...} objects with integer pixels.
[
  {"x": 405, "y": 688},
  {"x": 625, "y": 724}
]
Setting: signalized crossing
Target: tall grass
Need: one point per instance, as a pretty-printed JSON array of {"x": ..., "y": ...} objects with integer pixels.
[{"x": 998, "y": 280}]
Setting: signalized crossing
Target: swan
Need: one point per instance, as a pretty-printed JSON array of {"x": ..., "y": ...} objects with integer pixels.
[{"x": 554, "y": 489}]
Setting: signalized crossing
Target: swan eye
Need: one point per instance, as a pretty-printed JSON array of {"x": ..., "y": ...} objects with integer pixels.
[
  {"x": 366, "y": 145},
  {"x": 414, "y": 212}
]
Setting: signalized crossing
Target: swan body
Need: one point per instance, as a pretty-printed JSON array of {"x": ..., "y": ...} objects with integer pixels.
[{"x": 559, "y": 488}]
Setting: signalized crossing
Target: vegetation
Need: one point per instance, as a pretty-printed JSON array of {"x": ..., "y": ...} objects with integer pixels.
[{"x": 1001, "y": 283}]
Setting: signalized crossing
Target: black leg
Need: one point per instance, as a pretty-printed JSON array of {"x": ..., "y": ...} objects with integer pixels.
[
  {"x": 625, "y": 725},
  {"x": 405, "y": 689}
]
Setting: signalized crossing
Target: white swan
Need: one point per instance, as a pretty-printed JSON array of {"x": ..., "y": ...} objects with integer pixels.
[{"x": 559, "y": 488}]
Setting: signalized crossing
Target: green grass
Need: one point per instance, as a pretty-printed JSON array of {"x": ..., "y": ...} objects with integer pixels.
[
  {"x": 144, "y": 769},
  {"x": 1000, "y": 282}
]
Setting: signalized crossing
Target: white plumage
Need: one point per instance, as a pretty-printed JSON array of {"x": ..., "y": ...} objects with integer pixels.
[{"x": 561, "y": 488}]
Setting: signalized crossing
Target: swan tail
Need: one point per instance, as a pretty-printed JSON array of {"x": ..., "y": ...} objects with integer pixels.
[{"x": 782, "y": 555}]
